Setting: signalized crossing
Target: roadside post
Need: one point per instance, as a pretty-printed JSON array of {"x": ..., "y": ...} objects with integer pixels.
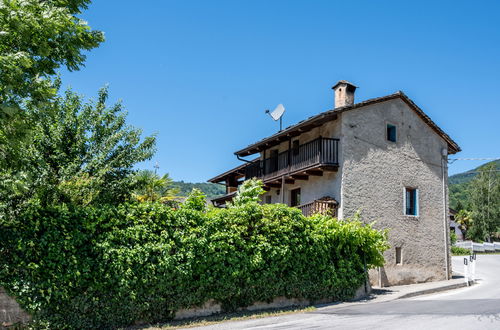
[
  {"x": 466, "y": 270},
  {"x": 473, "y": 267}
]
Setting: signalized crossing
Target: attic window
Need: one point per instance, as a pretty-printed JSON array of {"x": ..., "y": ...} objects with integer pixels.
[{"x": 391, "y": 132}]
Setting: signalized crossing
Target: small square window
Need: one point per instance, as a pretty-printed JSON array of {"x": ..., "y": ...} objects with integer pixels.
[
  {"x": 391, "y": 133},
  {"x": 411, "y": 201}
]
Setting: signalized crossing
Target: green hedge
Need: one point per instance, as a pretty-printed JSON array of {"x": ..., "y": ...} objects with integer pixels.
[{"x": 111, "y": 266}]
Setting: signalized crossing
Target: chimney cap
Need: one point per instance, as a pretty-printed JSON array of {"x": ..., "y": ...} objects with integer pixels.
[{"x": 344, "y": 82}]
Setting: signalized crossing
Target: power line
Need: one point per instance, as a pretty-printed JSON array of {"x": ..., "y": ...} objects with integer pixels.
[{"x": 452, "y": 160}]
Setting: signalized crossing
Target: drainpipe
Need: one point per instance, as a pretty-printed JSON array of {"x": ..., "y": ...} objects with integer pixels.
[
  {"x": 444, "y": 154},
  {"x": 244, "y": 160}
]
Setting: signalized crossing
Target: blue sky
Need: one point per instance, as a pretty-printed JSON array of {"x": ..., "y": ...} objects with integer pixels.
[{"x": 201, "y": 73}]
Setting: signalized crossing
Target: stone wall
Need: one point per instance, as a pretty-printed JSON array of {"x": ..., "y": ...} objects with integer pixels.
[
  {"x": 375, "y": 173},
  {"x": 211, "y": 307},
  {"x": 10, "y": 311}
]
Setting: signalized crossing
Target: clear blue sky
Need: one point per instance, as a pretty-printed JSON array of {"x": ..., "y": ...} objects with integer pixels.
[{"x": 201, "y": 73}]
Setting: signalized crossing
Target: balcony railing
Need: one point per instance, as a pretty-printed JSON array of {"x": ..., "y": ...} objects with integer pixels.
[
  {"x": 318, "y": 152},
  {"x": 324, "y": 205}
]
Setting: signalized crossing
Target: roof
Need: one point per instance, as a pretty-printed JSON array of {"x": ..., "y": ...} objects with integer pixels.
[
  {"x": 237, "y": 170},
  {"x": 320, "y": 119}
]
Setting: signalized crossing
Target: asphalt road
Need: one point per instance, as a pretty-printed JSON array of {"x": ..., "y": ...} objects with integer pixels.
[{"x": 476, "y": 307}]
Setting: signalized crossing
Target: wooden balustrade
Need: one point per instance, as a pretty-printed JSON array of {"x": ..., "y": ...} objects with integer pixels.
[{"x": 324, "y": 205}]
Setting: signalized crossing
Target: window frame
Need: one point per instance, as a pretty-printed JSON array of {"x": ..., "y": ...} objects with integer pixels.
[
  {"x": 387, "y": 126},
  {"x": 416, "y": 202}
]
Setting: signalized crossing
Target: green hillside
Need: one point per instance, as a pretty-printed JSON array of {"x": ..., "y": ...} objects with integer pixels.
[
  {"x": 459, "y": 183},
  {"x": 465, "y": 177},
  {"x": 210, "y": 189}
]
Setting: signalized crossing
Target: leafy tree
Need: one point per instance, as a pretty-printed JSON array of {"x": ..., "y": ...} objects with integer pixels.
[
  {"x": 485, "y": 203},
  {"x": 151, "y": 187},
  {"x": 83, "y": 152},
  {"x": 248, "y": 191},
  {"x": 196, "y": 200},
  {"x": 36, "y": 38}
]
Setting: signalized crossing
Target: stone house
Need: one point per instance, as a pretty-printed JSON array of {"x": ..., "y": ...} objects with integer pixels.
[{"x": 383, "y": 157}]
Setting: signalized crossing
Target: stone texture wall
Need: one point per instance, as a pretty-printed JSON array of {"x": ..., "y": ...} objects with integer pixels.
[
  {"x": 10, "y": 312},
  {"x": 375, "y": 173}
]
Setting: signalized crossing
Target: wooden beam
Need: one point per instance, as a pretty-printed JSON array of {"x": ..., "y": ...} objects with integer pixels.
[
  {"x": 300, "y": 177},
  {"x": 315, "y": 172},
  {"x": 274, "y": 185},
  {"x": 289, "y": 181}
]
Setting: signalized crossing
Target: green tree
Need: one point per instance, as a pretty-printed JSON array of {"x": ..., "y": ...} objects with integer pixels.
[
  {"x": 485, "y": 203},
  {"x": 151, "y": 187},
  {"x": 36, "y": 38},
  {"x": 83, "y": 152},
  {"x": 248, "y": 191}
]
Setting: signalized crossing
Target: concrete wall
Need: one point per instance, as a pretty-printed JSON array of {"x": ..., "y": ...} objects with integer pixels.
[{"x": 375, "y": 173}]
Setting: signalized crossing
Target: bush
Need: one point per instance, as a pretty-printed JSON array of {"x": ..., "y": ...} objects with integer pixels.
[
  {"x": 453, "y": 237},
  {"x": 459, "y": 251},
  {"x": 85, "y": 267}
]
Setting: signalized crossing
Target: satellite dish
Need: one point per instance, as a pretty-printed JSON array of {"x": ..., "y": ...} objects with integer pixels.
[{"x": 277, "y": 113}]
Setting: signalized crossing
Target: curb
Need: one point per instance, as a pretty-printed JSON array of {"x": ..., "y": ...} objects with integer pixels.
[{"x": 434, "y": 290}]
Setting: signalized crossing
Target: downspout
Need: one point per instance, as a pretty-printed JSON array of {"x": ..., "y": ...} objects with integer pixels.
[
  {"x": 244, "y": 160},
  {"x": 444, "y": 154}
]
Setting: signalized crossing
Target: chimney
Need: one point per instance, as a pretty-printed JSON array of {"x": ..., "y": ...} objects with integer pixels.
[{"x": 344, "y": 93}]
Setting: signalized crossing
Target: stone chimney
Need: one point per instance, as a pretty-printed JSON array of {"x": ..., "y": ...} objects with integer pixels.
[{"x": 344, "y": 93}]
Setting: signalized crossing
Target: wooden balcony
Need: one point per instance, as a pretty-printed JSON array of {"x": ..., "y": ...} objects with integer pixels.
[
  {"x": 325, "y": 205},
  {"x": 311, "y": 158}
]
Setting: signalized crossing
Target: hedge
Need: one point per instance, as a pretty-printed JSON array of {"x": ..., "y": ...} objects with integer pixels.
[{"x": 108, "y": 267}]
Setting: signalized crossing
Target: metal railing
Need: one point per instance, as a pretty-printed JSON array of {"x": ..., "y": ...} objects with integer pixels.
[{"x": 479, "y": 247}]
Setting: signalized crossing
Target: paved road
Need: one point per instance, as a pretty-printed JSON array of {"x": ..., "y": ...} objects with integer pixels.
[{"x": 476, "y": 307}]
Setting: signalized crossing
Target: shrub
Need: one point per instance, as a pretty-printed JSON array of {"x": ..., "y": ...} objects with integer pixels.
[
  {"x": 85, "y": 267},
  {"x": 455, "y": 250}
]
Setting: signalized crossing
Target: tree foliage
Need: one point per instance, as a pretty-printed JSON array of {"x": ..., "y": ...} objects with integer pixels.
[
  {"x": 485, "y": 203},
  {"x": 151, "y": 187},
  {"x": 83, "y": 152},
  {"x": 36, "y": 38},
  {"x": 102, "y": 267}
]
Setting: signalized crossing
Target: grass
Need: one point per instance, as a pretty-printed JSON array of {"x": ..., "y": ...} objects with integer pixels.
[{"x": 227, "y": 317}]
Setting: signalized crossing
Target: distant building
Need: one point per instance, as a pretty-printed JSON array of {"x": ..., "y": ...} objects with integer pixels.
[{"x": 384, "y": 157}]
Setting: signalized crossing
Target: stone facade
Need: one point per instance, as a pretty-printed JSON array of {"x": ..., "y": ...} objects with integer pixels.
[{"x": 376, "y": 171}]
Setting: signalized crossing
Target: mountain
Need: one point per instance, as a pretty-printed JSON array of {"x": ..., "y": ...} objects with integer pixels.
[
  {"x": 210, "y": 189},
  {"x": 465, "y": 177},
  {"x": 459, "y": 183}
]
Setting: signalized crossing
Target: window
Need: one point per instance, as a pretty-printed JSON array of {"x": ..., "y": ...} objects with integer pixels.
[
  {"x": 399, "y": 256},
  {"x": 295, "y": 197},
  {"x": 295, "y": 147},
  {"x": 411, "y": 201},
  {"x": 268, "y": 199},
  {"x": 273, "y": 166},
  {"x": 391, "y": 133}
]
